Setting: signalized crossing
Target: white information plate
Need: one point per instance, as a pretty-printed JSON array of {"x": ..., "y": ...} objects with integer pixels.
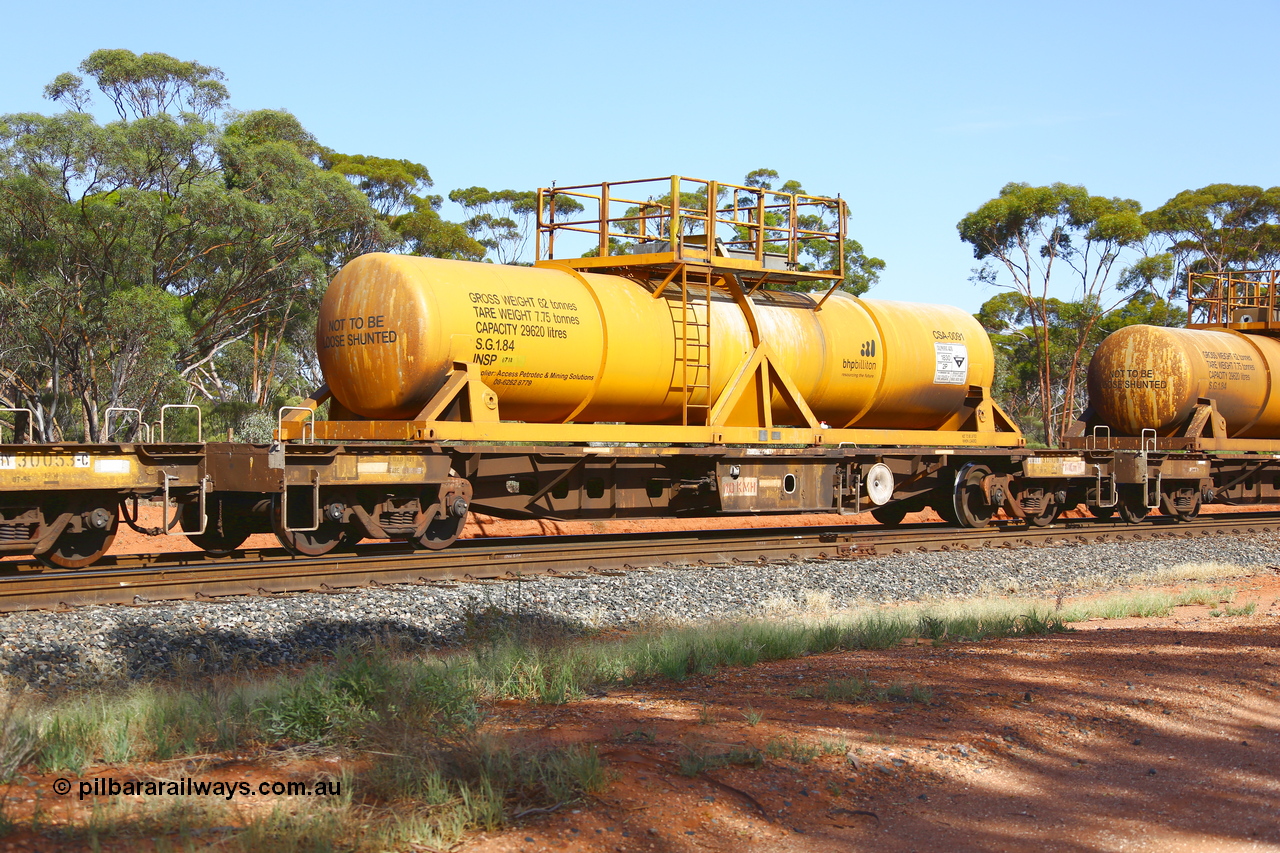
[{"x": 952, "y": 364}]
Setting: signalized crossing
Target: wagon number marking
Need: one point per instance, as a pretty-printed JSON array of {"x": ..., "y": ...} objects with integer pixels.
[{"x": 9, "y": 461}]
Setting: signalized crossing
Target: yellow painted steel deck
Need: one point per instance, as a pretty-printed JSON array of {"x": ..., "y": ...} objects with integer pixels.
[{"x": 659, "y": 434}]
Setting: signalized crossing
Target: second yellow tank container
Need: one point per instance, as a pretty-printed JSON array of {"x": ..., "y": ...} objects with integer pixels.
[{"x": 1150, "y": 377}]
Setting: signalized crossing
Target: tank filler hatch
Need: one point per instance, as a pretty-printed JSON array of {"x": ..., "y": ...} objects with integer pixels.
[{"x": 1245, "y": 301}]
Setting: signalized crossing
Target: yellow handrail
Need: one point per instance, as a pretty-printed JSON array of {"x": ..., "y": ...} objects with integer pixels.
[{"x": 694, "y": 219}]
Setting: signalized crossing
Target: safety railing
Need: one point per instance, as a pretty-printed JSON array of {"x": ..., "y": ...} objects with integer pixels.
[
  {"x": 140, "y": 425},
  {"x": 24, "y": 418},
  {"x": 164, "y": 411},
  {"x": 695, "y": 220},
  {"x": 308, "y": 419},
  {"x": 1233, "y": 298}
]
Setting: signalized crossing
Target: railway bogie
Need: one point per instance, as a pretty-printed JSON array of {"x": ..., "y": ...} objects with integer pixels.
[
  {"x": 64, "y": 503},
  {"x": 318, "y": 498}
]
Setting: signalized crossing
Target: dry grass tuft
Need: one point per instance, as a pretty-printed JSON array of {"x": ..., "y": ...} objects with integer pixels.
[{"x": 1202, "y": 572}]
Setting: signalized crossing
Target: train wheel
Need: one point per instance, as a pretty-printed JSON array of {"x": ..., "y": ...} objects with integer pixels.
[
  {"x": 942, "y": 501},
  {"x": 82, "y": 548},
  {"x": 1183, "y": 504},
  {"x": 448, "y": 517},
  {"x": 441, "y": 533},
  {"x": 1047, "y": 515},
  {"x": 1133, "y": 503},
  {"x": 970, "y": 499},
  {"x": 891, "y": 515},
  {"x": 307, "y": 543},
  {"x": 1102, "y": 512},
  {"x": 224, "y": 532}
]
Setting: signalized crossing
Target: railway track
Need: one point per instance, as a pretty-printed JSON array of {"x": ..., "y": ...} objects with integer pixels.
[{"x": 157, "y": 577}]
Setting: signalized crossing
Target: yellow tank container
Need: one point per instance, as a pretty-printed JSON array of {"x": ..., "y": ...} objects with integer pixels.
[
  {"x": 1150, "y": 377},
  {"x": 557, "y": 345}
]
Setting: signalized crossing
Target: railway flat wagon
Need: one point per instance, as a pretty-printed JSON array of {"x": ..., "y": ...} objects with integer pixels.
[
  {"x": 699, "y": 358},
  {"x": 65, "y": 502},
  {"x": 690, "y": 363},
  {"x": 1182, "y": 417}
]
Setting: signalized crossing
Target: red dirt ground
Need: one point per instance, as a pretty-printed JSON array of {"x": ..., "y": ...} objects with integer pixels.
[
  {"x": 130, "y": 542},
  {"x": 1136, "y": 734}
]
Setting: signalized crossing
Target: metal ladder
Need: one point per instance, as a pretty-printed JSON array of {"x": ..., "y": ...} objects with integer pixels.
[{"x": 695, "y": 345}]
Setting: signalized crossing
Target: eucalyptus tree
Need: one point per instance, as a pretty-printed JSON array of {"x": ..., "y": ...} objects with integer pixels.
[
  {"x": 398, "y": 191},
  {"x": 135, "y": 251},
  {"x": 91, "y": 226},
  {"x": 499, "y": 220},
  {"x": 1036, "y": 241},
  {"x": 1220, "y": 227}
]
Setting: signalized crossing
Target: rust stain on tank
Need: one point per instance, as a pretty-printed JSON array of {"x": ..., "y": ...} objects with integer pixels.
[{"x": 1151, "y": 377}]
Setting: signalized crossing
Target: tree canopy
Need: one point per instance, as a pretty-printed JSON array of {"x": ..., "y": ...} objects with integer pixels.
[
  {"x": 1032, "y": 239},
  {"x": 179, "y": 249},
  {"x": 1218, "y": 228}
]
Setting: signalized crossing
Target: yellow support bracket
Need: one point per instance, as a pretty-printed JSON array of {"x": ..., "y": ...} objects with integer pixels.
[
  {"x": 748, "y": 399},
  {"x": 463, "y": 397},
  {"x": 316, "y": 399}
]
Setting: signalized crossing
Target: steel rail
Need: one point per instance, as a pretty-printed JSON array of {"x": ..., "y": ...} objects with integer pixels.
[{"x": 150, "y": 578}]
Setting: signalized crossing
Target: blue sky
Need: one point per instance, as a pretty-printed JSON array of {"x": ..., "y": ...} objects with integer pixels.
[{"x": 915, "y": 113}]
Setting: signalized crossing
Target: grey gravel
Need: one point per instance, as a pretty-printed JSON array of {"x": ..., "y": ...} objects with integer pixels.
[{"x": 95, "y": 645}]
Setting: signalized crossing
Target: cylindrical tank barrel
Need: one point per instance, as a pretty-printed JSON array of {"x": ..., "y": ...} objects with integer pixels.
[
  {"x": 1150, "y": 377},
  {"x": 559, "y": 345}
]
